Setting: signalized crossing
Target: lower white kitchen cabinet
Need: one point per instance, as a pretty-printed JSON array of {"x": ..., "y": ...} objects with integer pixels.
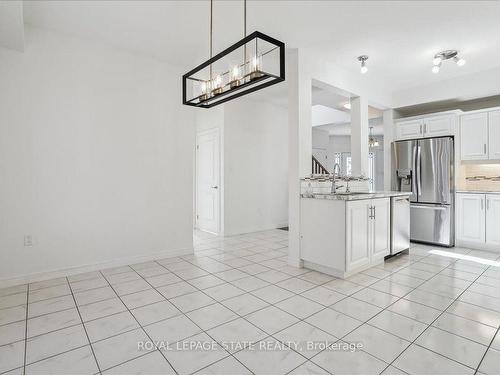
[
  {"x": 341, "y": 237},
  {"x": 478, "y": 221},
  {"x": 493, "y": 219},
  {"x": 368, "y": 232},
  {"x": 471, "y": 219},
  {"x": 358, "y": 222}
]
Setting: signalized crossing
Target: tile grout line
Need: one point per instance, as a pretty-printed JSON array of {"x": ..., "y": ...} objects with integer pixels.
[
  {"x": 442, "y": 312},
  {"x": 83, "y": 325},
  {"x": 384, "y": 309},
  {"x": 298, "y": 276},
  {"x": 487, "y": 349},
  {"x": 202, "y": 330},
  {"x": 26, "y": 329},
  {"x": 140, "y": 326}
]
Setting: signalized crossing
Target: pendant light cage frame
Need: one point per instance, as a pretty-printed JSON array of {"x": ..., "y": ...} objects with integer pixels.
[{"x": 253, "y": 63}]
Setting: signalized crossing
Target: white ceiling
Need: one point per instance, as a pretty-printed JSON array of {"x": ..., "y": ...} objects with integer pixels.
[
  {"x": 400, "y": 37},
  {"x": 11, "y": 25}
]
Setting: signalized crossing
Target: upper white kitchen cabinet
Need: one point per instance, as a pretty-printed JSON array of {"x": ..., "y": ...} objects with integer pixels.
[
  {"x": 474, "y": 136},
  {"x": 437, "y": 125},
  {"x": 494, "y": 135},
  {"x": 409, "y": 129}
]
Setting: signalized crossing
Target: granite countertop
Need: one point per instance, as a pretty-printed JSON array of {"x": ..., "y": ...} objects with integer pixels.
[
  {"x": 478, "y": 191},
  {"x": 358, "y": 195}
]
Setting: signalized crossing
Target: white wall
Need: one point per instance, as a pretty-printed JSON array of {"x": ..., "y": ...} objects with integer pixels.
[
  {"x": 96, "y": 156},
  {"x": 255, "y": 166},
  {"x": 320, "y": 143}
]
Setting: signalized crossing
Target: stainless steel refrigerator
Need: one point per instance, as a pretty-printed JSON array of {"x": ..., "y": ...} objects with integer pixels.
[{"x": 425, "y": 167}]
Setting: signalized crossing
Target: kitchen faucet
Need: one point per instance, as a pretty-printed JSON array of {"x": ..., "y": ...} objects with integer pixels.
[{"x": 334, "y": 188}]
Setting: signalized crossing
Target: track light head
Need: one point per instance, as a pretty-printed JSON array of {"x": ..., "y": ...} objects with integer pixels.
[
  {"x": 459, "y": 61},
  {"x": 450, "y": 54},
  {"x": 362, "y": 59}
]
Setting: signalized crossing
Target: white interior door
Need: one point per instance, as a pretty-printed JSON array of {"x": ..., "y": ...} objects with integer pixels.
[{"x": 208, "y": 181}]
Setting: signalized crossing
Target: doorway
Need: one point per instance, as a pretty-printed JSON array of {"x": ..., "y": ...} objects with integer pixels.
[{"x": 207, "y": 196}]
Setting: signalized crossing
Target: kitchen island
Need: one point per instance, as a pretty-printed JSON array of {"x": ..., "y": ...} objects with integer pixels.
[{"x": 345, "y": 233}]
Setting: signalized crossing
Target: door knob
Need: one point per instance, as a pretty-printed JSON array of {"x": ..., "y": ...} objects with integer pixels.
[{"x": 215, "y": 187}]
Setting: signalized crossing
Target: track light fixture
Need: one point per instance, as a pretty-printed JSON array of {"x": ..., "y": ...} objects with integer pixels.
[
  {"x": 446, "y": 55},
  {"x": 362, "y": 59}
]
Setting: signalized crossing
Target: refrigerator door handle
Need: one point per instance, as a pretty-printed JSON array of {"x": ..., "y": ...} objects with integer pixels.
[
  {"x": 431, "y": 207},
  {"x": 418, "y": 162},
  {"x": 414, "y": 176}
]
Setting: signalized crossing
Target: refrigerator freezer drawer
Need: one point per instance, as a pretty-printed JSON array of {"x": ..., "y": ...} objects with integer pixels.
[{"x": 432, "y": 224}]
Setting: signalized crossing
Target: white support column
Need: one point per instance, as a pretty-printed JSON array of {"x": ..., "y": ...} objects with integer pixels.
[
  {"x": 359, "y": 136},
  {"x": 299, "y": 146},
  {"x": 389, "y": 133}
]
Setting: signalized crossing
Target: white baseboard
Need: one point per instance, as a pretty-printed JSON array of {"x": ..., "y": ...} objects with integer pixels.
[
  {"x": 257, "y": 228},
  {"x": 478, "y": 246},
  {"x": 62, "y": 272}
]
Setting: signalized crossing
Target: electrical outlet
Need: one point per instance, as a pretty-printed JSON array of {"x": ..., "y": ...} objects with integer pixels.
[{"x": 28, "y": 240}]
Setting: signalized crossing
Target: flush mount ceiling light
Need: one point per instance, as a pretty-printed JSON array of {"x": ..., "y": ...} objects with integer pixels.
[
  {"x": 255, "y": 62},
  {"x": 362, "y": 59},
  {"x": 450, "y": 54},
  {"x": 347, "y": 105},
  {"x": 372, "y": 141}
]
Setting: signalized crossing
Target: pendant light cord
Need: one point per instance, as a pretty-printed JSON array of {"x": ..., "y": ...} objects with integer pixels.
[{"x": 211, "y": 32}]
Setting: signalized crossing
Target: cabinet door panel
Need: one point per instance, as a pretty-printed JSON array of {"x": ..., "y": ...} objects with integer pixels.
[
  {"x": 471, "y": 218},
  {"x": 494, "y": 135},
  {"x": 438, "y": 126},
  {"x": 474, "y": 136},
  {"x": 357, "y": 234},
  {"x": 381, "y": 223},
  {"x": 493, "y": 219},
  {"x": 409, "y": 129}
]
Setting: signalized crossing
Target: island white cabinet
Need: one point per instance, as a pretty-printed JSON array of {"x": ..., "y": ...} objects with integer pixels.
[
  {"x": 368, "y": 232},
  {"x": 493, "y": 219},
  {"x": 381, "y": 228},
  {"x": 474, "y": 136},
  {"x": 341, "y": 237},
  {"x": 358, "y": 222},
  {"x": 478, "y": 221}
]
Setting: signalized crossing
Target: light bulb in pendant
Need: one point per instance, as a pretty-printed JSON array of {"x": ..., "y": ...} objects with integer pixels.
[
  {"x": 235, "y": 77},
  {"x": 217, "y": 85},
  {"x": 459, "y": 61},
  {"x": 256, "y": 67}
]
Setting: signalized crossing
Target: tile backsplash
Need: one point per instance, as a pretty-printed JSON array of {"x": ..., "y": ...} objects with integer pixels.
[
  {"x": 324, "y": 186},
  {"x": 482, "y": 177}
]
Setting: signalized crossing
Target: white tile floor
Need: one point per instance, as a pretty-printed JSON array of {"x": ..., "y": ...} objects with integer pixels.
[{"x": 248, "y": 312}]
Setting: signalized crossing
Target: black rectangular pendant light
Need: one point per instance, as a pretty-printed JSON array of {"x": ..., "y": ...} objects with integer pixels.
[{"x": 255, "y": 62}]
